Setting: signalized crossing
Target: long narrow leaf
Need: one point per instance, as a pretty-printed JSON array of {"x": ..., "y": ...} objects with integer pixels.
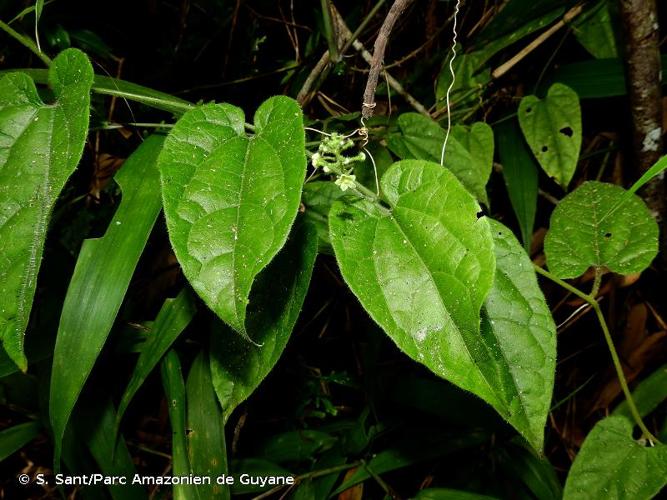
[
  {"x": 206, "y": 430},
  {"x": 111, "y": 455},
  {"x": 520, "y": 174},
  {"x": 17, "y": 437},
  {"x": 125, "y": 90},
  {"x": 174, "y": 316},
  {"x": 174, "y": 388},
  {"x": 101, "y": 278}
]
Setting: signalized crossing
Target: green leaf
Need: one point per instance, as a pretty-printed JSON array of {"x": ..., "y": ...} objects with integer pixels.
[
  {"x": 515, "y": 15},
  {"x": 230, "y": 200},
  {"x": 597, "y": 78},
  {"x": 469, "y": 152},
  {"x": 474, "y": 169},
  {"x": 96, "y": 423},
  {"x": 648, "y": 395},
  {"x": 552, "y": 128},
  {"x": 520, "y": 335},
  {"x": 448, "y": 494},
  {"x": 99, "y": 282},
  {"x": 106, "y": 85},
  {"x": 423, "y": 271},
  {"x": 582, "y": 235},
  {"x": 318, "y": 196},
  {"x": 415, "y": 445},
  {"x": 15, "y": 438},
  {"x": 472, "y": 75},
  {"x": 594, "y": 29},
  {"x": 206, "y": 430},
  {"x": 174, "y": 316},
  {"x": 174, "y": 388},
  {"x": 517, "y": 461},
  {"x": 238, "y": 366},
  {"x": 657, "y": 168},
  {"x": 296, "y": 446},
  {"x": 40, "y": 146},
  {"x": 612, "y": 465},
  {"x": 520, "y": 175}
]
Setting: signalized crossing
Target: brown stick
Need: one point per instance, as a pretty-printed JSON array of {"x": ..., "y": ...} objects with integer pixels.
[
  {"x": 506, "y": 66},
  {"x": 642, "y": 63},
  {"x": 378, "y": 55}
]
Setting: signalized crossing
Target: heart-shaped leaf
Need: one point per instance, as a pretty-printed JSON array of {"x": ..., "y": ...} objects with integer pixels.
[
  {"x": 521, "y": 335},
  {"x": 612, "y": 465},
  {"x": 423, "y": 270},
  {"x": 552, "y": 128},
  {"x": 237, "y": 366},
  {"x": 230, "y": 200},
  {"x": 589, "y": 228},
  {"x": 40, "y": 146},
  {"x": 469, "y": 152}
]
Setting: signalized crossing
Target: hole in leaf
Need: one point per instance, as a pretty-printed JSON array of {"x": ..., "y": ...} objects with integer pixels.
[
  {"x": 567, "y": 131},
  {"x": 545, "y": 149},
  {"x": 607, "y": 235},
  {"x": 529, "y": 110},
  {"x": 345, "y": 216}
]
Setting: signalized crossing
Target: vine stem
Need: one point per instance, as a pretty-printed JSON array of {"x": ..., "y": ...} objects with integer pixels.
[
  {"x": 26, "y": 42},
  {"x": 590, "y": 299}
]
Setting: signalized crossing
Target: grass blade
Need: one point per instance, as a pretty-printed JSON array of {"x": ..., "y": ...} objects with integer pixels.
[
  {"x": 174, "y": 388},
  {"x": 111, "y": 455},
  {"x": 206, "y": 437},
  {"x": 174, "y": 316},
  {"x": 17, "y": 437}
]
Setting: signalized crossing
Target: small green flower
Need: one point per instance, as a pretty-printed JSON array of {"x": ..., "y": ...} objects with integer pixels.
[{"x": 346, "y": 181}]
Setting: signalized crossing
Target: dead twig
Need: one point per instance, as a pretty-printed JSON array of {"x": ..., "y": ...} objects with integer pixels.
[{"x": 378, "y": 56}]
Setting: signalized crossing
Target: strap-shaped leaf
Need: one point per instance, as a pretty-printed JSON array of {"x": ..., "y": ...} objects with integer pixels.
[
  {"x": 237, "y": 366},
  {"x": 101, "y": 277},
  {"x": 423, "y": 271},
  {"x": 611, "y": 465},
  {"x": 469, "y": 152},
  {"x": 207, "y": 449},
  {"x": 230, "y": 200},
  {"x": 552, "y": 128},
  {"x": 520, "y": 174},
  {"x": 174, "y": 390},
  {"x": 40, "y": 146},
  {"x": 520, "y": 335},
  {"x": 174, "y": 317},
  {"x": 584, "y": 232}
]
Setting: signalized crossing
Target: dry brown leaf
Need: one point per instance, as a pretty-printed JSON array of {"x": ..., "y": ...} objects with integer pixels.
[{"x": 354, "y": 493}]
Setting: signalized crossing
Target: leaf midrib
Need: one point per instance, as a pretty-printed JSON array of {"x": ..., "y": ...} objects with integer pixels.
[{"x": 444, "y": 307}]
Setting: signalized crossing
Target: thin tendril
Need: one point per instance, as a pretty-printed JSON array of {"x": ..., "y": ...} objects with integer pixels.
[
  {"x": 375, "y": 171},
  {"x": 451, "y": 85}
]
